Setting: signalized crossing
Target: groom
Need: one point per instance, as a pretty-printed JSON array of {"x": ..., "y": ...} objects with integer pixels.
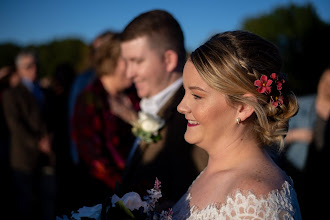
[{"x": 153, "y": 47}]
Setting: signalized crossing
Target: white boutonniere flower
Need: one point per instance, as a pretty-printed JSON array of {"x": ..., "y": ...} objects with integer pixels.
[{"x": 147, "y": 127}]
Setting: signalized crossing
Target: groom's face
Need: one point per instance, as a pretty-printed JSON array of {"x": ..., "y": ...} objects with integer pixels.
[{"x": 145, "y": 66}]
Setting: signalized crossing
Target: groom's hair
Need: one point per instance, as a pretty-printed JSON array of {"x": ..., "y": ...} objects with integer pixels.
[{"x": 162, "y": 30}]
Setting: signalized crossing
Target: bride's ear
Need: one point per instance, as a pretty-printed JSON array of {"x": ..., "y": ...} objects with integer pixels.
[{"x": 244, "y": 110}]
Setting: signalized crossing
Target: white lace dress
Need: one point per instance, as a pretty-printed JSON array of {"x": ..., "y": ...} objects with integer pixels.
[{"x": 279, "y": 204}]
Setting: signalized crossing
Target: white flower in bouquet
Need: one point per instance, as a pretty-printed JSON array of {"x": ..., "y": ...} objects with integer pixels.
[
  {"x": 147, "y": 127},
  {"x": 131, "y": 200}
]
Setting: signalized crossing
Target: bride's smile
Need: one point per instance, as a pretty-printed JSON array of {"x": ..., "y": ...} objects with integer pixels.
[{"x": 192, "y": 123}]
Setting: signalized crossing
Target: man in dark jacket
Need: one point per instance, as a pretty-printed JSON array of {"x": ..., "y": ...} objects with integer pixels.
[{"x": 29, "y": 142}]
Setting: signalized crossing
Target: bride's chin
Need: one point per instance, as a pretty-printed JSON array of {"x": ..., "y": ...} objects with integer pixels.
[{"x": 188, "y": 139}]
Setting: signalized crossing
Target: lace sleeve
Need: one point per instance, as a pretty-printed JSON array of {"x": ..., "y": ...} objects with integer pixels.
[{"x": 279, "y": 204}]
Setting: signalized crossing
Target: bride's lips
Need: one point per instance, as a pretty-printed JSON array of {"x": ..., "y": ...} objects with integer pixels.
[{"x": 192, "y": 123}]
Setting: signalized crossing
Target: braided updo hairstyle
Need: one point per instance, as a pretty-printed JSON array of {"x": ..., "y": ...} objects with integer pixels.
[{"x": 230, "y": 63}]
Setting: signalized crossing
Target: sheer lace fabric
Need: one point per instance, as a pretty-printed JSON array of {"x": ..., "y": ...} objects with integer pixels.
[{"x": 279, "y": 204}]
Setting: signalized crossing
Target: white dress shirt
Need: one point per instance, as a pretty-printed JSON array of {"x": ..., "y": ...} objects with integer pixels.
[{"x": 153, "y": 104}]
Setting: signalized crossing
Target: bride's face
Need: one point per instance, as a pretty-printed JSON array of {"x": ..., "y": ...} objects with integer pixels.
[{"x": 209, "y": 116}]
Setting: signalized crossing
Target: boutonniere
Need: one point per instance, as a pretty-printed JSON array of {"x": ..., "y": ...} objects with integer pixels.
[{"x": 147, "y": 127}]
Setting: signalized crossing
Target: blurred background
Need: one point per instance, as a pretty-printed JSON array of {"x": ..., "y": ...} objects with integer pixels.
[{"x": 60, "y": 31}]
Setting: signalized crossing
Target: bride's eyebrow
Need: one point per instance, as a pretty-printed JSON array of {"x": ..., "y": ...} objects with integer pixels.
[{"x": 196, "y": 88}]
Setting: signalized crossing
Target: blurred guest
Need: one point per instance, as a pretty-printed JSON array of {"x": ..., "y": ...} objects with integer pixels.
[
  {"x": 322, "y": 106},
  {"x": 8, "y": 79},
  {"x": 80, "y": 82},
  {"x": 153, "y": 46},
  {"x": 101, "y": 123},
  {"x": 315, "y": 180},
  {"x": 318, "y": 152},
  {"x": 306, "y": 136},
  {"x": 30, "y": 148}
]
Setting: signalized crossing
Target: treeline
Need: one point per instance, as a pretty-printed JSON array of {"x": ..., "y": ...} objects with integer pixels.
[
  {"x": 300, "y": 34},
  {"x": 303, "y": 39}
]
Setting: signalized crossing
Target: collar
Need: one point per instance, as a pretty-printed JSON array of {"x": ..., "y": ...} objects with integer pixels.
[{"x": 153, "y": 104}]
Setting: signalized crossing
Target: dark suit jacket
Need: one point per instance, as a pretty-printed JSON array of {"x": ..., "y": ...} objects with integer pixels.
[
  {"x": 26, "y": 127},
  {"x": 172, "y": 160}
]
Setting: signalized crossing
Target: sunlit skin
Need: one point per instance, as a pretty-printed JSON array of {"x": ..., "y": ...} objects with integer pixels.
[
  {"x": 323, "y": 96},
  {"x": 146, "y": 67},
  {"x": 120, "y": 78},
  {"x": 324, "y": 85},
  {"x": 117, "y": 81},
  {"x": 210, "y": 119}
]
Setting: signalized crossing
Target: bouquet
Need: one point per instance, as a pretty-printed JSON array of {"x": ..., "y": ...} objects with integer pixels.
[{"x": 130, "y": 206}]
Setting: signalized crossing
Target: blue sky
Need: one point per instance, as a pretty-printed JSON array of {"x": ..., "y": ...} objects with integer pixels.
[{"x": 40, "y": 21}]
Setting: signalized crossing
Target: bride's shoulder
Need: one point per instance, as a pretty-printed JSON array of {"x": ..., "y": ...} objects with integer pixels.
[
  {"x": 258, "y": 185},
  {"x": 260, "y": 180}
]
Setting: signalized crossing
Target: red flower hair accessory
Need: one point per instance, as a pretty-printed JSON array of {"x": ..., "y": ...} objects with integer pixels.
[
  {"x": 271, "y": 87},
  {"x": 263, "y": 84}
]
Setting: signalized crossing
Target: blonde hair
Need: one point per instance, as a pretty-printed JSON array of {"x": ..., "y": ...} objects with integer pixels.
[
  {"x": 106, "y": 54},
  {"x": 230, "y": 62}
]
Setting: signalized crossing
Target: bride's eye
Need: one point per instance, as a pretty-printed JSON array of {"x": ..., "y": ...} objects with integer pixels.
[{"x": 196, "y": 96}]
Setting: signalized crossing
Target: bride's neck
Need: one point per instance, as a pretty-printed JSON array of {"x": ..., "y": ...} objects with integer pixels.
[{"x": 232, "y": 156}]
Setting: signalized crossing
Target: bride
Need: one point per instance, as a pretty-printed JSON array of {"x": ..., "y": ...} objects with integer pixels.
[{"x": 237, "y": 104}]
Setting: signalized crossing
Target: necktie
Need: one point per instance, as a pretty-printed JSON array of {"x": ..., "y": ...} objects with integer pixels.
[{"x": 38, "y": 94}]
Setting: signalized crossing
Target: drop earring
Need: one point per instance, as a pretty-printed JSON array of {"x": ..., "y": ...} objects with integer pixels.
[{"x": 238, "y": 120}]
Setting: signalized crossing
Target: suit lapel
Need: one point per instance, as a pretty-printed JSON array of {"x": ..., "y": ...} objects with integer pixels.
[
  {"x": 150, "y": 151},
  {"x": 170, "y": 106}
]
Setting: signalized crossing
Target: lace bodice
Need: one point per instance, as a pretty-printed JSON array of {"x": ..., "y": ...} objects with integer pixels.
[{"x": 279, "y": 204}]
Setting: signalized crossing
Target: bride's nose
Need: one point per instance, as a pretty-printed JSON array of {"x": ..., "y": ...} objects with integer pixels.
[{"x": 182, "y": 107}]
